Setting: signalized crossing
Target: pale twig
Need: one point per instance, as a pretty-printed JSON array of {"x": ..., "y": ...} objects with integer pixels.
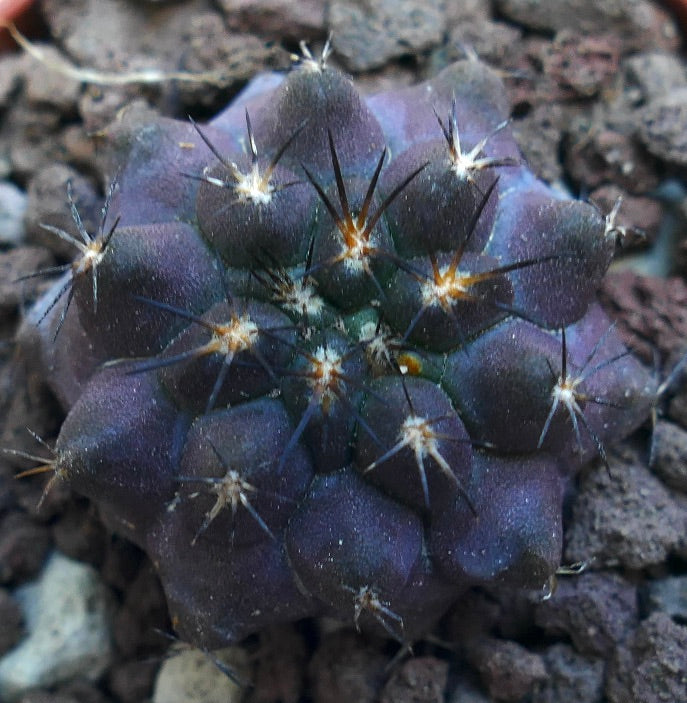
[{"x": 89, "y": 75}]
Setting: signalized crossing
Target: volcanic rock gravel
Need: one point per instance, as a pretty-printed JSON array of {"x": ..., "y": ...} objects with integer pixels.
[{"x": 605, "y": 128}]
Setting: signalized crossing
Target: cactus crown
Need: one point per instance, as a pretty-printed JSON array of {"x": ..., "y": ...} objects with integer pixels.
[{"x": 342, "y": 358}]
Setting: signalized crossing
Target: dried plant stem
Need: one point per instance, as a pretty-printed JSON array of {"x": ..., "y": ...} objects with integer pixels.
[{"x": 87, "y": 75}]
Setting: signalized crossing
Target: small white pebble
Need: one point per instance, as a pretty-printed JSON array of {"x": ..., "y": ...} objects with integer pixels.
[
  {"x": 12, "y": 210},
  {"x": 67, "y": 615},
  {"x": 189, "y": 676}
]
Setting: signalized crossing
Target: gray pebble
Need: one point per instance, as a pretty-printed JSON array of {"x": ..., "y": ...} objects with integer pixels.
[
  {"x": 366, "y": 36},
  {"x": 13, "y": 203}
]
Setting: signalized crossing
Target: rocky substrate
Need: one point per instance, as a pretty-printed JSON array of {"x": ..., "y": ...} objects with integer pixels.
[{"x": 598, "y": 90}]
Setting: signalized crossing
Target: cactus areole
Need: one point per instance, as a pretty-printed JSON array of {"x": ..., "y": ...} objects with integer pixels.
[{"x": 335, "y": 355}]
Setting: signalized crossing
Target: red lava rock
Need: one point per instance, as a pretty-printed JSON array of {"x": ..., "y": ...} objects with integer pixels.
[
  {"x": 280, "y": 662},
  {"x": 12, "y": 73},
  {"x": 571, "y": 68},
  {"x": 132, "y": 681},
  {"x": 467, "y": 11},
  {"x": 651, "y": 313},
  {"x": 493, "y": 42},
  {"x": 670, "y": 455},
  {"x": 640, "y": 23},
  {"x": 472, "y": 617},
  {"x": 540, "y": 133},
  {"x": 596, "y": 154},
  {"x": 572, "y": 677},
  {"x": 26, "y": 404},
  {"x": 579, "y": 65},
  {"x": 142, "y": 616},
  {"x": 282, "y": 18},
  {"x": 98, "y": 109},
  {"x": 212, "y": 48},
  {"x": 595, "y": 610},
  {"x": 346, "y": 667},
  {"x": 47, "y": 196},
  {"x": 79, "y": 534},
  {"x": 366, "y": 36},
  {"x": 587, "y": 609},
  {"x": 527, "y": 85},
  {"x": 140, "y": 31},
  {"x": 14, "y": 264},
  {"x": 418, "y": 680},
  {"x": 84, "y": 692},
  {"x": 167, "y": 37},
  {"x": 46, "y": 87},
  {"x": 32, "y": 137},
  {"x": 48, "y": 697},
  {"x": 507, "y": 669},
  {"x": 121, "y": 563},
  {"x": 81, "y": 145},
  {"x": 516, "y": 619},
  {"x": 653, "y": 667},
  {"x": 6, "y": 493},
  {"x": 23, "y": 547},
  {"x": 677, "y": 410},
  {"x": 12, "y": 621},
  {"x": 628, "y": 520},
  {"x": 638, "y": 219},
  {"x": 465, "y": 690}
]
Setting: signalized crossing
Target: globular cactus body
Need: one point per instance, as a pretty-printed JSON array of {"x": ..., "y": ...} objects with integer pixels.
[{"x": 343, "y": 358}]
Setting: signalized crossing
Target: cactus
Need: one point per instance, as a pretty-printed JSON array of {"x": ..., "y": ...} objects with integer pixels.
[{"x": 334, "y": 355}]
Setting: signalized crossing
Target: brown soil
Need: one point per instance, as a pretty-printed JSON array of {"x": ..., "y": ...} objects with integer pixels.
[{"x": 593, "y": 96}]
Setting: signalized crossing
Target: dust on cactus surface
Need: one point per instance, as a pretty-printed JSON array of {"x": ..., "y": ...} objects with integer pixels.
[{"x": 336, "y": 355}]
